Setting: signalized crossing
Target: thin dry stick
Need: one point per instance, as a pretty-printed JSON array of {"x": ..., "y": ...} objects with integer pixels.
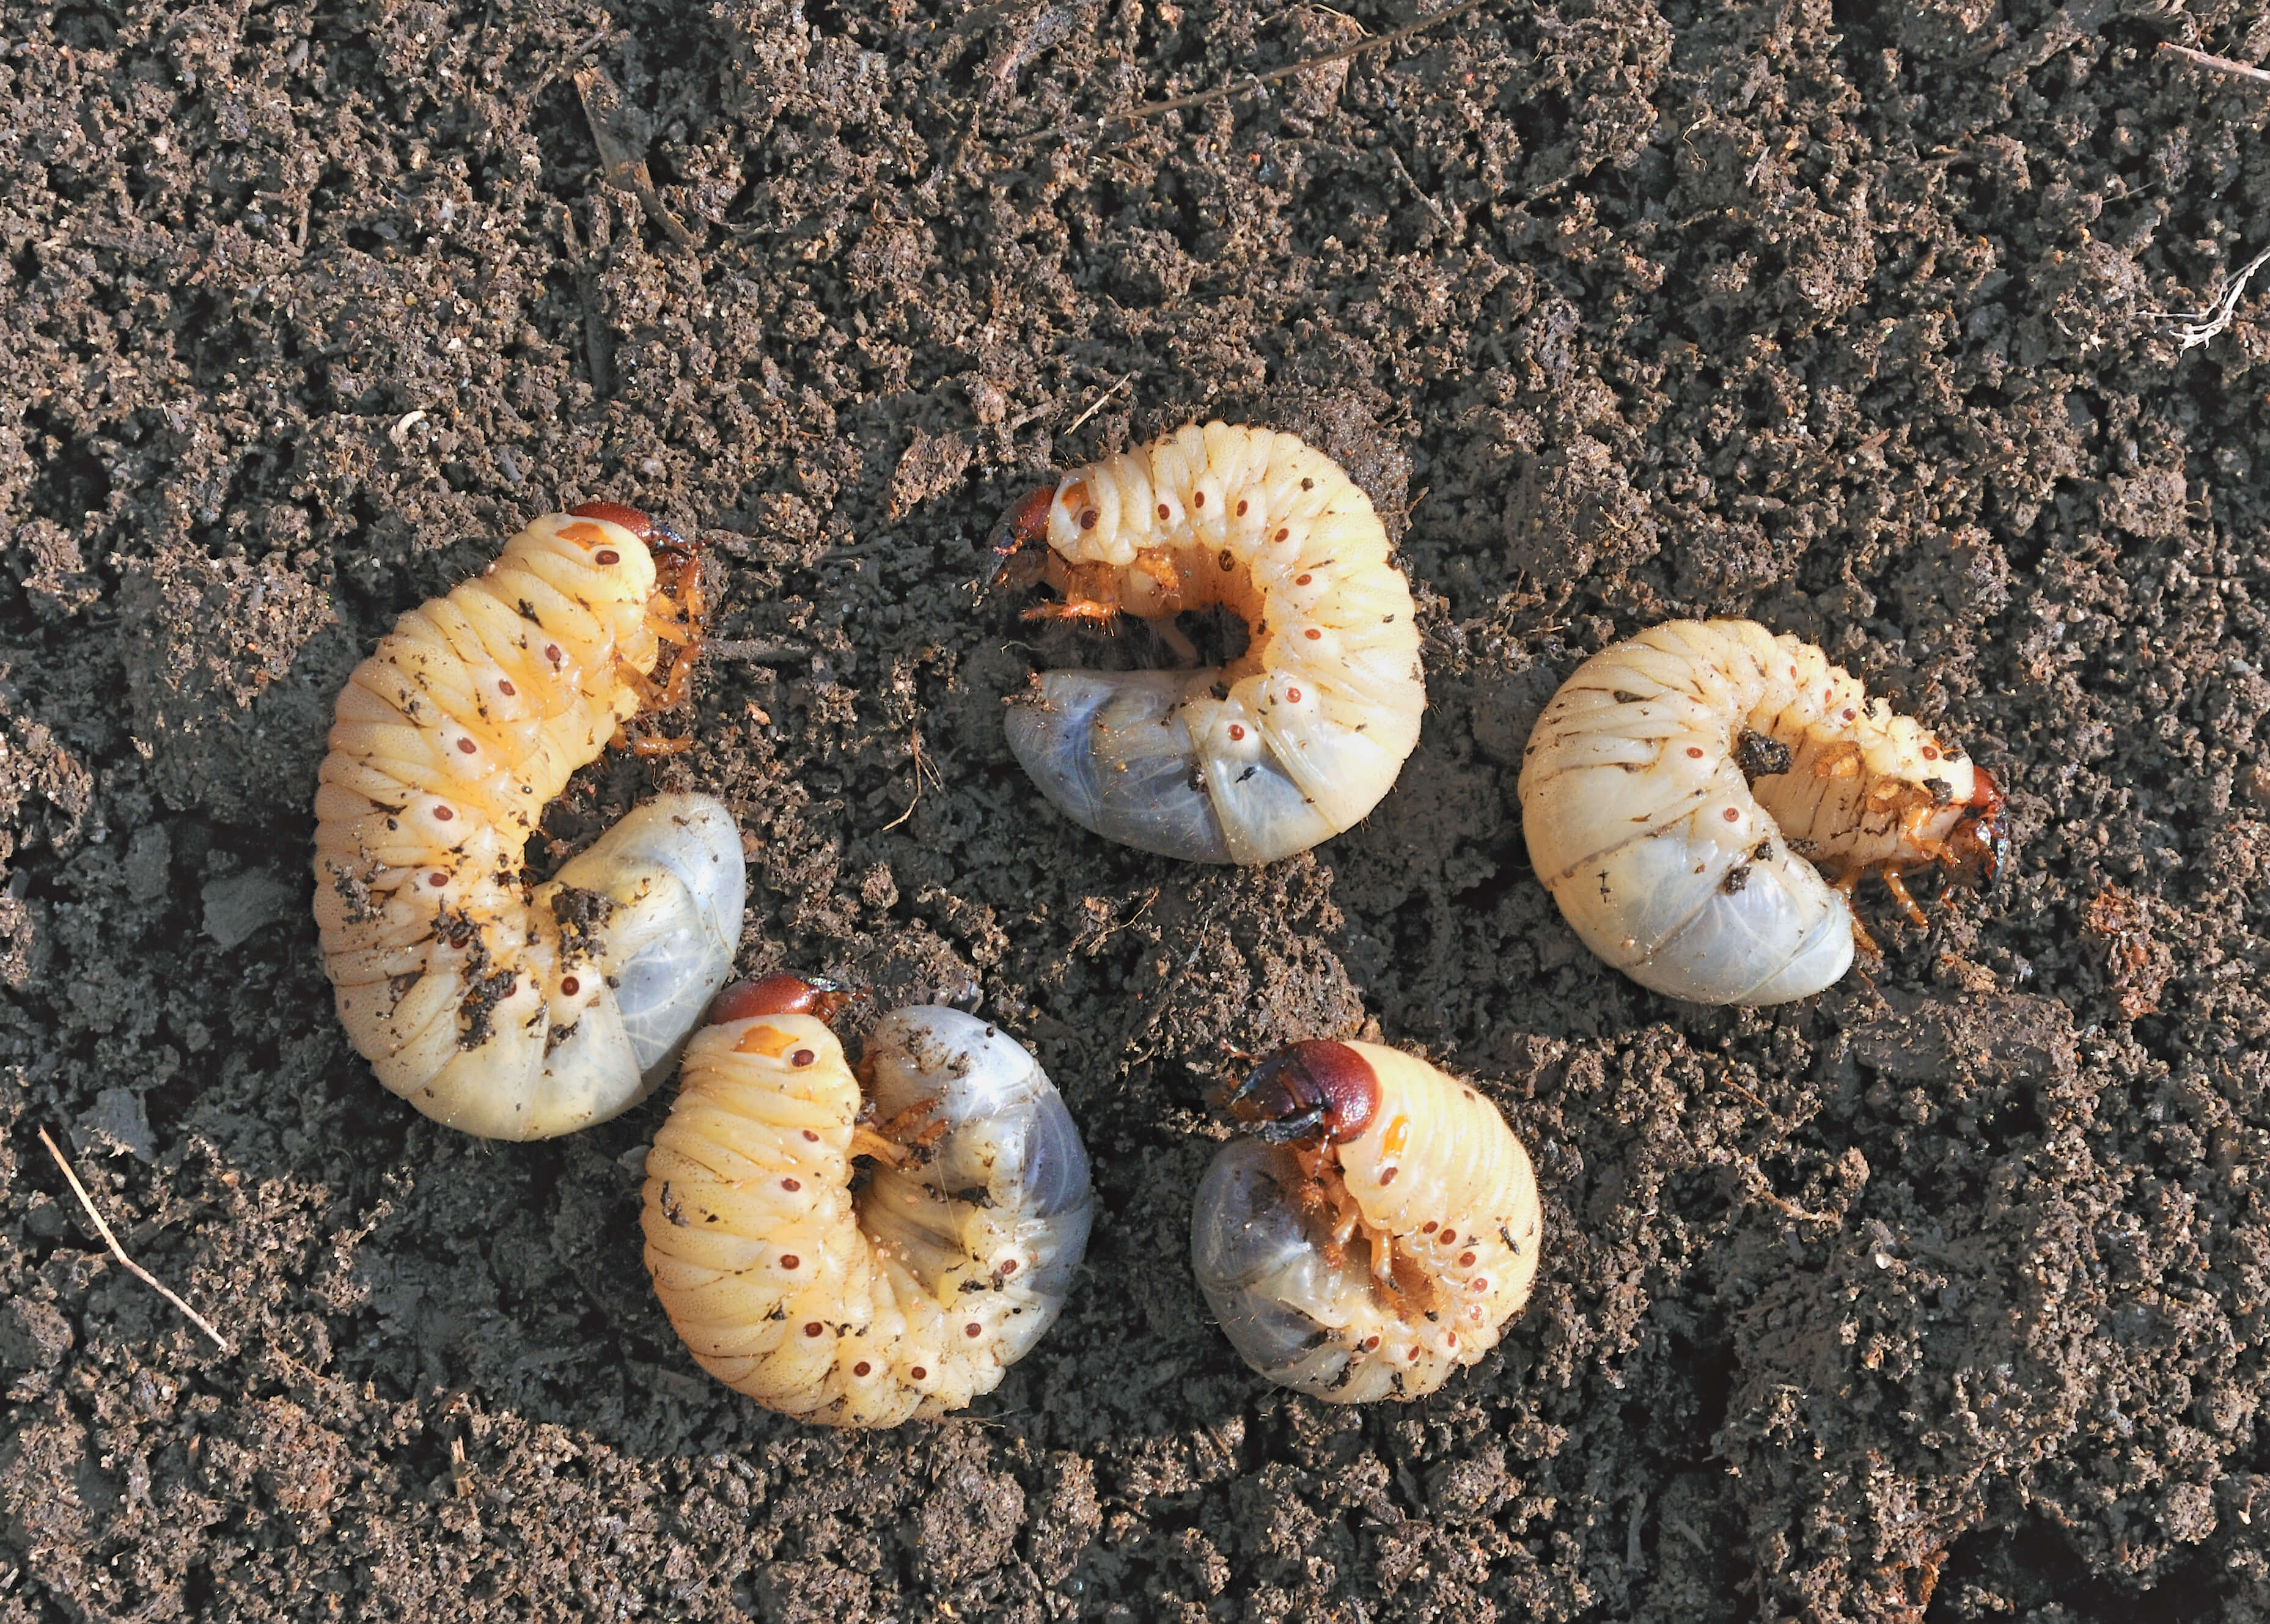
[
  {"x": 2221, "y": 64},
  {"x": 1098, "y": 404},
  {"x": 625, "y": 170},
  {"x": 119, "y": 1252},
  {"x": 1255, "y": 81}
]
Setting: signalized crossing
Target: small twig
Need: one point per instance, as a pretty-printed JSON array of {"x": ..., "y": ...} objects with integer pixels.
[
  {"x": 1763, "y": 1189},
  {"x": 2221, "y": 64},
  {"x": 1099, "y": 404},
  {"x": 926, "y": 775},
  {"x": 119, "y": 1252},
  {"x": 1257, "y": 82},
  {"x": 753, "y": 652},
  {"x": 625, "y": 170},
  {"x": 2197, "y": 327}
]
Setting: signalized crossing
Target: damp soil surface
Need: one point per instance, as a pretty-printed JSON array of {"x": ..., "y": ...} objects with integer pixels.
[{"x": 1944, "y": 1295}]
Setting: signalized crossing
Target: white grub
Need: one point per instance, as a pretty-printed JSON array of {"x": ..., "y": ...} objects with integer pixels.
[
  {"x": 1378, "y": 1234},
  {"x": 905, "y": 1297},
  {"x": 1681, "y": 787},
  {"x": 1294, "y": 739},
  {"x": 506, "y": 1012}
]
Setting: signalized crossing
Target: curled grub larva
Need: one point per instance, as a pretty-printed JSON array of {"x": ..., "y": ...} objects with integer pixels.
[
  {"x": 508, "y": 1013},
  {"x": 1378, "y": 1231},
  {"x": 1678, "y": 783},
  {"x": 861, "y": 1305},
  {"x": 1292, "y": 741}
]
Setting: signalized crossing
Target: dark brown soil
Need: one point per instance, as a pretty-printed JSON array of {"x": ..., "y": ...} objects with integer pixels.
[{"x": 1944, "y": 1295}]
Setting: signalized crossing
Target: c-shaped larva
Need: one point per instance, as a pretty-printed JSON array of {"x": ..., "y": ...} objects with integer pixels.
[
  {"x": 1291, "y": 742},
  {"x": 857, "y": 1305},
  {"x": 1377, "y": 1233},
  {"x": 1678, "y": 783},
  {"x": 508, "y": 1013}
]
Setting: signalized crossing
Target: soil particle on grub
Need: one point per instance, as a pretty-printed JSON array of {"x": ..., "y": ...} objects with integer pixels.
[{"x": 1940, "y": 1296}]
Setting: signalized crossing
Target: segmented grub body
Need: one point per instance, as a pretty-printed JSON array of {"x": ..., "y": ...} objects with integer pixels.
[
  {"x": 1681, "y": 787},
  {"x": 1294, "y": 739},
  {"x": 509, "y": 1013},
  {"x": 863, "y": 1307},
  {"x": 1378, "y": 1232}
]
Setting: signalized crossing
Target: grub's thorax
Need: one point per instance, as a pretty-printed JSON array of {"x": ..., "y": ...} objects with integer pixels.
[{"x": 1173, "y": 573}]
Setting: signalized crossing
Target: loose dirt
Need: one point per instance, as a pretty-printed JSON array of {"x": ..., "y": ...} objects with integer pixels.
[{"x": 1944, "y": 1295}]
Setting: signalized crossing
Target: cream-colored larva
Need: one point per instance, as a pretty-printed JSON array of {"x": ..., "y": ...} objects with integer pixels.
[
  {"x": 1377, "y": 1233},
  {"x": 507, "y": 1013},
  {"x": 850, "y": 1303},
  {"x": 1680, "y": 788},
  {"x": 1291, "y": 742}
]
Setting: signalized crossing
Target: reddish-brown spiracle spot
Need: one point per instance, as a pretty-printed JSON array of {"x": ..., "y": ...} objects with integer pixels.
[
  {"x": 791, "y": 1184},
  {"x": 551, "y": 653},
  {"x": 1429, "y": 1226},
  {"x": 802, "y": 1056},
  {"x": 1237, "y": 729},
  {"x": 1312, "y": 634},
  {"x": 863, "y": 1368},
  {"x": 1318, "y": 1086},
  {"x": 1695, "y": 751},
  {"x": 437, "y": 879},
  {"x": 919, "y": 1374},
  {"x": 1930, "y": 754},
  {"x": 1465, "y": 1260},
  {"x": 808, "y": 1134},
  {"x": 606, "y": 557},
  {"x": 505, "y": 687},
  {"x": 442, "y": 814},
  {"x": 1371, "y": 1345},
  {"x": 1448, "y": 1236},
  {"x": 1241, "y": 509},
  {"x": 1087, "y": 519},
  {"x": 973, "y": 1329},
  {"x": 569, "y": 986},
  {"x": 1292, "y": 696},
  {"x": 1009, "y": 1268},
  {"x": 1198, "y": 499},
  {"x": 1734, "y": 814},
  {"x": 465, "y": 746},
  {"x": 779, "y": 994},
  {"x": 1387, "y": 1176},
  {"x": 813, "y": 1328},
  {"x": 1280, "y": 537},
  {"x": 1165, "y": 512},
  {"x": 1301, "y": 580},
  {"x": 616, "y": 513},
  {"x": 1226, "y": 560},
  {"x": 789, "y": 1260}
]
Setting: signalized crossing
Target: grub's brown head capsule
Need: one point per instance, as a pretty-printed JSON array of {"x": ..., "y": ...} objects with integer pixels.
[{"x": 1308, "y": 1090}]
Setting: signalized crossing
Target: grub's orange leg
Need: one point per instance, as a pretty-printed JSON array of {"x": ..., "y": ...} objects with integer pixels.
[
  {"x": 643, "y": 745},
  {"x": 1848, "y": 884},
  {"x": 1897, "y": 886}
]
